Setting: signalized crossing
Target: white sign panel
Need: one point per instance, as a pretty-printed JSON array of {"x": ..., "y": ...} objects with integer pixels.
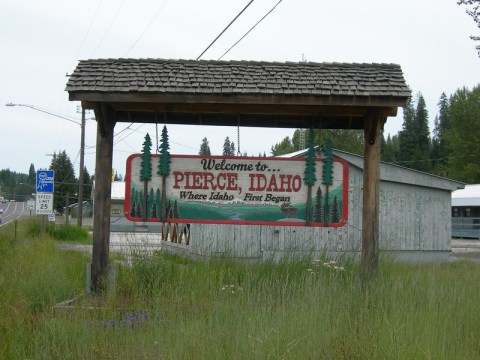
[
  {"x": 51, "y": 217},
  {"x": 44, "y": 203},
  {"x": 31, "y": 204}
]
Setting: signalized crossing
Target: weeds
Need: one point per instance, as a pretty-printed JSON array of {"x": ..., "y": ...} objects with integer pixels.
[{"x": 173, "y": 308}]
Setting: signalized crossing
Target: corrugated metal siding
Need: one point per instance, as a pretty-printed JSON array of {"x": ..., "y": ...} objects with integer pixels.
[{"x": 412, "y": 218}]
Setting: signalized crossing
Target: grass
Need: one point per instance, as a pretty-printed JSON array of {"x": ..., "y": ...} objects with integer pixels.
[
  {"x": 167, "y": 307},
  {"x": 64, "y": 232}
]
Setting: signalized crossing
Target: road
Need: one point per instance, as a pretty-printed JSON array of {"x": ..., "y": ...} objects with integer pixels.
[{"x": 13, "y": 211}]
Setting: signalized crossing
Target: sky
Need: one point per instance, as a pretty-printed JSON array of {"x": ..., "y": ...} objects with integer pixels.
[{"x": 42, "y": 41}]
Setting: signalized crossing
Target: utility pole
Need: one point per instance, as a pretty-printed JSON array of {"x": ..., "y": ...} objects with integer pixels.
[{"x": 81, "y": 173}]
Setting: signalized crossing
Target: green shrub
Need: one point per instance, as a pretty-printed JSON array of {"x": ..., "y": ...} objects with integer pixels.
[{"x": 69, "y": 233}]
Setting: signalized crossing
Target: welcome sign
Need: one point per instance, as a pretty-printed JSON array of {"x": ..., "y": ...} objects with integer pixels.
[{"x": 235, "y": 190}]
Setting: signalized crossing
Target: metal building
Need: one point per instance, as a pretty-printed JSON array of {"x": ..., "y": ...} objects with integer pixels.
[
  {"x": 415, "y": 223},
  {"x": 466, "y": 212}
]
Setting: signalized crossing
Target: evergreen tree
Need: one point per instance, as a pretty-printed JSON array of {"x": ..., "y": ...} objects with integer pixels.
[
  {"x": 164, "y": 169},
  {"x": 284, "y": 147},
  {"x": 154, "y": 211},
  {"x": 65, "y": 181},
  {"x": 133, "y": 203},
  {"x": 439, "y": 152},
  {"x": 32, "y": 175},
  {"x": 138, "y": 210},
  {"x": 335, "y": 216},
  {"x": 139, "y": 201},
  {"x": 327, "y": 173},
  {"x": 414, "y": 139},
  {"x": 87, "y": 184},
  {"x": 227, "y": 148},
  {"x": 176, "y": 214},
  {"x": 158, "y": 202},
  {"x": 150, "y": 202},
  {"x": 406, "y": 136},
  {"x": 421, "y": 154},
  {"x": 133, "y": 209},
  {"x": 146, "y": 171},
  {"x": 204, "y": 148},
  {"x": 12, "y": 185},
  {"x": 232, "y": 148},
  {"x": 463, "y": 134},
  {"x": 318, "y": 212},
  {"x": 310, "y": 178},
  {"x": 346, "y": 140},
  {"x": 389, "y": 148}
]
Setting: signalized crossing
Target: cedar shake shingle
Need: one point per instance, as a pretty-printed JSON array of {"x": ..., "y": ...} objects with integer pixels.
[{"x": 234, "y": 77}]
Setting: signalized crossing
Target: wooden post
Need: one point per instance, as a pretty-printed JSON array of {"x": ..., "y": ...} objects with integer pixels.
[
  {"x": 67, "y": 208},
  {"x": 371, "y": 175},
  {"x": 102, "y": 197},
  {"x": 81, "y": 179}
]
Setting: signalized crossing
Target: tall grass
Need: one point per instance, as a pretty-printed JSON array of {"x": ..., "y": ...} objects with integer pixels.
[
  {"x": 167, "y": 307},
  {"x": 64, "y": 232}
]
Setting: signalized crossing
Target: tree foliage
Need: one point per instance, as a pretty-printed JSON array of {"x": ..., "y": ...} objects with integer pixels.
[
  {"x": 414, "y": 139},
  {"x": 65, "y": 181},
  {"x": 284, "y": 147},
  {"x": 32, "y": 174},
  {"x": 439, "y": 152},
  {"x": 11, "y": 185},
  {"x": 345, "y": 140},
  {"x": 318, "y": 210},
  {"x": 146, "y": 162},
  {"x": 164, "y": 163},
  {"x": 463, "y": 135},
  {"x": 310, "y": 177},
  {"x": 228, "y": 147},
  {"x": 473, "y": 10},
  {"x": 204, "y": 148},
  {"x": 327, "y": 173}
]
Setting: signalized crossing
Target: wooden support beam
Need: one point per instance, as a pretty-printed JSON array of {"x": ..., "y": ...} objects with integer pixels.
[
  {"x": 102, "y": 197},
  {"x": 371, "y": 191}
]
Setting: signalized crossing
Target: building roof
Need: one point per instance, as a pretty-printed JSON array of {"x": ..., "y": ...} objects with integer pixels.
[
  {"x": 470, "y": 196},
  {"x": 246, "y": 93},
  {"x": 394, "y": 173},
  {"x": 237, "y": 77}
]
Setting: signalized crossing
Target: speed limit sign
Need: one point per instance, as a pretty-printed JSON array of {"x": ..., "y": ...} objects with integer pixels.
[{"x": 44, "y": 203}]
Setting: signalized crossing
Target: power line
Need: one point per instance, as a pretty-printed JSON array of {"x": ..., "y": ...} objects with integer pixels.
[
  {"x": 248, "y": 32},
  {"x": 160, "y": 10},
  {"x": 109, "y": 27},
  {"x": 88, "y": 30},
  {"x": 231, "y": 22}
]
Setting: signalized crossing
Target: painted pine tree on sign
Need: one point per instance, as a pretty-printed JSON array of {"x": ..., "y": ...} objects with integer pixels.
[
  {"x": 164, "y": 169},
  {"x": 318, "y": 212},
  {"x": 310, "y": 178},
  {"x": 146, "y": 172},
  {"x": 327, "y": 174}
]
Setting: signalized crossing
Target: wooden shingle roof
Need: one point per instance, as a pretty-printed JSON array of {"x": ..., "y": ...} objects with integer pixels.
[
  {"x": 184, "y": 89},
  {"x": 237, "y": 77}
]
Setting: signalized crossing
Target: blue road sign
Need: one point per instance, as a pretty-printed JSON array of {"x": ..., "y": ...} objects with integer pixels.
[{"x": 45, "y": 180}]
